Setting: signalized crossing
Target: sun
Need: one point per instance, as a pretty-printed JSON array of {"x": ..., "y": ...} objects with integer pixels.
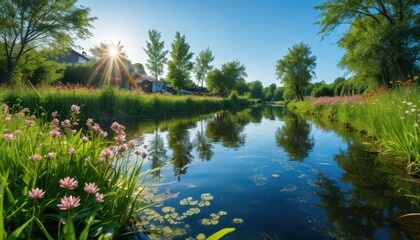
[{"x": 113, "y": 51}]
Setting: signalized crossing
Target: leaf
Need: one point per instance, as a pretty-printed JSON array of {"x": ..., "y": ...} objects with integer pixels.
[
  {"x": 19, "y": 230},
  {"x": 42, "y": 227},
  {"x": 69, "y": 232},
  {"x": 220, "y": 233}
]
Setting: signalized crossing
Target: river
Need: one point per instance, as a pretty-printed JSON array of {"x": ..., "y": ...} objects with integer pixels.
[{"x": 272, "y": 175}]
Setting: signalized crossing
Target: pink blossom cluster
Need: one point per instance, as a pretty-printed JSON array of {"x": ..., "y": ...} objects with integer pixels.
[{"x": 337, "y": 100}]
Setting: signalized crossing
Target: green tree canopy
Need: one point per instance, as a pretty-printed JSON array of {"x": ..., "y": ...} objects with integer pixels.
[
  {"x": 226, "y": 79},
  {"x": 256, "y": 88},
  {"x": 37, "y": 25},
  {"x": 296, "y": 69},
  {"x": 155, "y": 53},
  {"x": 202, "y": 65},
  {"x": 180, "y": 65},
  {"x": 382, "y": 42}
]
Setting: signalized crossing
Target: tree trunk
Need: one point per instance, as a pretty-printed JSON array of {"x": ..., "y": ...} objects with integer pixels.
[{"x": 9, "y": 73}]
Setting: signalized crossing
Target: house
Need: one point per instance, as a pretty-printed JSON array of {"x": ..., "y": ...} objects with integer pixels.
[
  {"x": 149, "y": 84},
  {"x": 74, "y": 57}
]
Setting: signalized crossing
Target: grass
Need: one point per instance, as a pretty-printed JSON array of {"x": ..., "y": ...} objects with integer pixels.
[
  {"x": 111, "y": 103},
  {"x": 392, "y": 117},
  {"x": 59, "y": 180}
]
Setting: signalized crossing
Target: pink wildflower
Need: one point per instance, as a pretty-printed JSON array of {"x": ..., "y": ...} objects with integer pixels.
[
  {"x": 55, "y": 122},
  {"x": 36, "y": 193},
  {"x": 120, "y": 138},
  {"x": 122, "y": 148},
  {"x": 89, "y": 122},
  {"x": 16, "y": 132},
  {"x": 54, "y": 114},
  {"x": 91, "y": 188},
  {"x": 85, "y": 139},
  {"x": 96, "y": 127},
  {"x": 55, "y": 133},
  {"x": 68, "y": 202},
  {"x": 106, "y": 153},
  {"x": 117, "y": 127},
  {"x": 72, "y": 151},
  {"x": 9, "y": 137},
  {"x": 50, "y": 155},
  {"x": 132, "y": 143},
  {"x": 69, "y": 183},
  {"x": 36, "y": 157},
  {"x": 103, "y": 134},
  {"x": 75, "y": 108},
  {"x": 29, "y": 123},
  {"x": 99, "y": 197},
  {"x": 66, "y": 123},
  {"x": 88, "y": 159}
]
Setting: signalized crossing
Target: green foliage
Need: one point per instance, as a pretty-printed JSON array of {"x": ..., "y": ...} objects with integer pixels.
[
  {"x": 382, "y": 43},
  {"x": 180, "y": 65},
  {"x": 39, "y": 154},
  {"x": 226, "y": 79},
  {"x": 27, "y": 26},
  {"x": 256, "y": 89},
  {"x": 202, "y": 65},
  {"x": 296, "y": 69},
  {"x": 156, "y": 54},
  {"x": 80, "y": 73},
  {"x": 112, "y": 103}
]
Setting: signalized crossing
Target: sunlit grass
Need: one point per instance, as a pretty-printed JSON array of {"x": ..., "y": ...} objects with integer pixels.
[{"x": 393, "y": 118}]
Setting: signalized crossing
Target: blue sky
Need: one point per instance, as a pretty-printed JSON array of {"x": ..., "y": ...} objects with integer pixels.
[{"x": 255, "y": 32}]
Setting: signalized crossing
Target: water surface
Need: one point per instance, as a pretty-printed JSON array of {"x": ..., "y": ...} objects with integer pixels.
[{"x": 283, "y": 176}]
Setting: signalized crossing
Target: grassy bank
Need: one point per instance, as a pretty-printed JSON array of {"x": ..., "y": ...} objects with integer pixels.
[
  {"x": 61, "y": 179},
  {"x": 110, "y": 103},
  {"x": 393, "y": 118}
]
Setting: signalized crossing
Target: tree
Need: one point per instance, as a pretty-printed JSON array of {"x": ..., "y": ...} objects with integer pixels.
[
  {"x": 26, "y": 26},
  {"x": 269, "y": 92},
  {"x": 296, "y": 69},
  {"x": 383, "y": 36},
  {"x": 156, "y": 54},
  {"x": 226, "y": 79},
  {"x": 180, "y": 65},
  {"x": 256, "y": 88},
  {"x": 202, "y": 65}
]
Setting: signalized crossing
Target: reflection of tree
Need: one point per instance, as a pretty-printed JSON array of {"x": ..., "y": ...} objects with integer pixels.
[
  {"x": 203, "y": 145},
  {"x": 179, "y": 142},
  {"x": 157, "y": 154},
  {"x": 256, "y": 114},
  {"x": 368, "y": 207},
  {"x": 227, "y": 129},
  {"x": 293, "y": 136},
  {"x": 271, "y": 113}
]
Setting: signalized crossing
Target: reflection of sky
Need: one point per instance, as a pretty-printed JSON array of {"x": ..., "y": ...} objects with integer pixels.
[{"x": 244, "y": 183}]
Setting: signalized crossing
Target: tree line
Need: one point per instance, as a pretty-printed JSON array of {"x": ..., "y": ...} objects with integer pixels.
[{"x": 381, "y": 49}]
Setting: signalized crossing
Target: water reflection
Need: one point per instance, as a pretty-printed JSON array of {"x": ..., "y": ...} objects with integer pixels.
[
  {"x": 228, "y": 128},
  {"x": 294, "y": 137},
  {"x": 157, "y": 154},
  {"x": 181, "y": 146},
  {"x": 372, "y": 206},
  {"x": 341, "y": 191},
  {"x": 203, "y": 144}
]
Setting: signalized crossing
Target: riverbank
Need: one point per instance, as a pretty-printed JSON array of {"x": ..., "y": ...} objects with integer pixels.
[
  {"x": 391, "y": 117},
  {"x": 114, "y": 104}
]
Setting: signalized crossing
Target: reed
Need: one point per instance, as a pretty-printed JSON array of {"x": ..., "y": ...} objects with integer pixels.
[{"x": 110, "y": 103}]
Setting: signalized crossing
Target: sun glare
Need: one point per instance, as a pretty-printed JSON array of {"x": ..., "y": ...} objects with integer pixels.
[{"x": 113, "y": 51}]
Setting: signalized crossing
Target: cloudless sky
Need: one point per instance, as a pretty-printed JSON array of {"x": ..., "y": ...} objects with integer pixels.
[{"x": 255, "y": 32}]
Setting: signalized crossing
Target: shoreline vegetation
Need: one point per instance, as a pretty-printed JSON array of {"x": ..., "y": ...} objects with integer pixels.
[
  {"x": 110, "y": 103},
  {"x": 390, "y": 117},
  {"x": 63, "y": 177}
]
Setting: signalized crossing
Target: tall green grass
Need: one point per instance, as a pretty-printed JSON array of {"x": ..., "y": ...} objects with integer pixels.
[
  {"x": 111, "y": 103},
  {"x": 393, "y": 118},
  {"x": 37, "y": 155}
]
